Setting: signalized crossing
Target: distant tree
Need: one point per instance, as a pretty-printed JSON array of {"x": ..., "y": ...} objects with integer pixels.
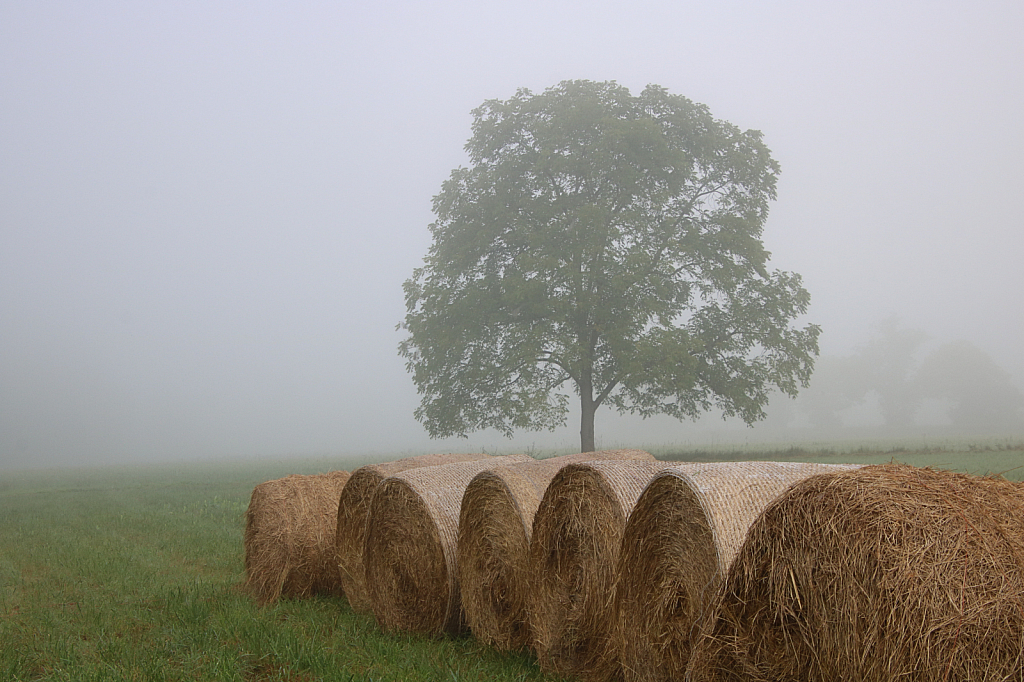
[
  {"x": 982, "y": 395},
  {"x": 885, "y": 364},
  {"x": 835, "y": 386},
  {"x": 607, "y": 241}
]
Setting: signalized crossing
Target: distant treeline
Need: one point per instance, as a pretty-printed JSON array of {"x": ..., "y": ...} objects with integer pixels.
[{"x": 889, "y": 382}]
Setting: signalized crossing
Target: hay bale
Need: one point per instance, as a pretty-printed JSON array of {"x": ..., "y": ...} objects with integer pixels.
[
  {"x": 353, "y": 508},
  {"x": 677, "y": 547},
  {"x": 409, "y": 555},
  {"x": 573, "y": 552},
  {"x": 495, "y": 526},
  {"x": 885, "y": 573},
  {"x": 289, "y": 537}
]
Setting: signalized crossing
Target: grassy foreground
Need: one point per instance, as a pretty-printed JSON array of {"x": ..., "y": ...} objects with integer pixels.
[
  {"x": 113, "y": 575},
  {"x": 135, "y": 574}
]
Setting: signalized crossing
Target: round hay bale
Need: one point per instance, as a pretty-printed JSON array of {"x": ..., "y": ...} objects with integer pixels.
[
  {"x": 495, "y": 526},
  {"x": 885, "y": 573},
  {"x": 573, "y": 552},
  {"x": 409, "y": 556},
  {"x": 289, "y": 537},
  {"x": 677, "y": 547},
  {"x": 353, "y": 509}
]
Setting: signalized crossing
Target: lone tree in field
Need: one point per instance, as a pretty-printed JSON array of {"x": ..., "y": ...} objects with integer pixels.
[{"x": 608, "y": 241}]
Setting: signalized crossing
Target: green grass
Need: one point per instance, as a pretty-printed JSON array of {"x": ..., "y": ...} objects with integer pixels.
[
  {"x": 134, "y": 574},
  {"x": 115, "y": 575},
  {"x": 1004, "y": 457}
]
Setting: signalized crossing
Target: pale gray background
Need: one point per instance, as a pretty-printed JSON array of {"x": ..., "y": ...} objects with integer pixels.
[{"x": 207, "y": 209}]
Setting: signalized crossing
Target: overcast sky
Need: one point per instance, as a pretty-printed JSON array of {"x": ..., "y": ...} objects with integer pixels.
[{"x": 207, "y": 209}]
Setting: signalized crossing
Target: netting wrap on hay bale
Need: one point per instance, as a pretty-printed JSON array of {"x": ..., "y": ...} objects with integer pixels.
[
  {"x": 884, "y": 573},
  {"x": 353, "y": 509},
  {"x": 573, "y": 553},
  {"x": 677, "y": 547},
  {"x": 495, "y": 526},
  {"x": 411, "y": 535},
  {"x": 289, "y": 537}
]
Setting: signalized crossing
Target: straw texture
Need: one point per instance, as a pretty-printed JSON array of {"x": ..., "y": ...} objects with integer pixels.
[
  {"x": 353, "y": 509},
  {"x": 289, "y": 537},
  {"x": 495, "y": 526},
  {"x": 410, "y": 551},
  {"x": 884, "y": 573},
  {"x": 573, "y": 553},
  {"x": 677, "y": 547}
]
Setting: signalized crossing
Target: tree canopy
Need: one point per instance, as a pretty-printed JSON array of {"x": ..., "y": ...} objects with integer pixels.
[{"x": 611, "y": 243}]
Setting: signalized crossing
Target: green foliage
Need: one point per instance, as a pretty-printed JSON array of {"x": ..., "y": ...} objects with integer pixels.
[{"x": 607, "y": 241}]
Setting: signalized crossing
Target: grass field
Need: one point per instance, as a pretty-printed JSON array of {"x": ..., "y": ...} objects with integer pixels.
[{"x": 134, "y": 574}]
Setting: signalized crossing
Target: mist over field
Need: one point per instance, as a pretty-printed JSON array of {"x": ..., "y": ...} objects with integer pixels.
[{"x": 207, "y": 210}]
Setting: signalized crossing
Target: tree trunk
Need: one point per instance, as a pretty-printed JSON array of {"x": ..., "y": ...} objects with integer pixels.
[
  {"x": 587, "y": 429},
  {"x": 587, "y": 410}
]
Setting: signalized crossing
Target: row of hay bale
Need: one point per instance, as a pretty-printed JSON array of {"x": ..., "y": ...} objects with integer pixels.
[{"x": 614, "y": 566}]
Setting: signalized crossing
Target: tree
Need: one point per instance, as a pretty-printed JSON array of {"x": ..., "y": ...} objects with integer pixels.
[
  {"x": 885, "y": 364},
  {"x": 611, "y": 242},
  {"x": 983, "y": 396},
  {"x": 836, "y": 385}
]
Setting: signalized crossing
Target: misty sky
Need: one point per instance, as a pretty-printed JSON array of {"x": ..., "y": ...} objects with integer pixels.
[{"x": 207, "y": 209}]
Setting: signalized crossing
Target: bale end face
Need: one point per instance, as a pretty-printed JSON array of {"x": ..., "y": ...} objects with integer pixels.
[
  {"x": 349, "y": 536},
  {"x": 354, "y": 509},
  {"x": 573, "y": 554},
  {"x": 679, "y": 542},
  {"x": 406, "y": 570},
  {"x": 495, "y": 526},
  {"x": 667, "y": 569},
  {"x": 889, "y": 572},
  {"x": 493, "y": 557},
  {"x": 289, "y": 537},
  {"x": 410, "y": 551}
]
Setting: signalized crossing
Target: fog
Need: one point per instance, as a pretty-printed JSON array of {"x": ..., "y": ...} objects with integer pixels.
[{"x": 207, "y": 209}]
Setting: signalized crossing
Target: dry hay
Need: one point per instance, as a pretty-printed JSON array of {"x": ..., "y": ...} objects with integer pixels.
[
  {"x": 289, "y": 537},
  {"x": 884, "y": 573},
  {"x": 573, "y": 552},
  {"x": 353, "y": 508},
  {"x": 495, "y": 526},
  {"x": 677, "y": 547},
  {"x": 409, "y": 555}
]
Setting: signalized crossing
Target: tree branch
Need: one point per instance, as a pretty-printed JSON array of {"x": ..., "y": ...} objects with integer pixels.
[
  {"x": 551, "y": 359},
  {"x": 607, "y": 390}
]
